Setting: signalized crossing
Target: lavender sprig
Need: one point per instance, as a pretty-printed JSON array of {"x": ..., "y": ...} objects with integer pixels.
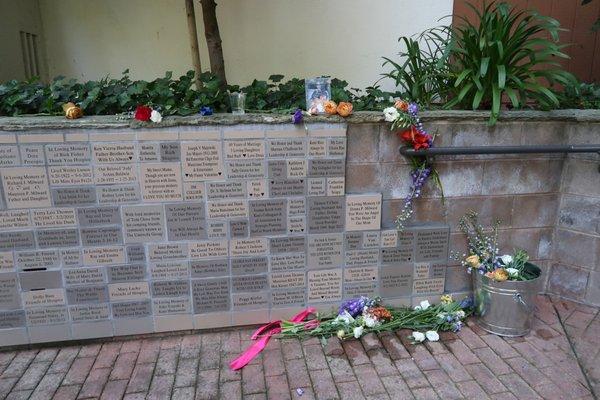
[{"x": 419, "y": 178}]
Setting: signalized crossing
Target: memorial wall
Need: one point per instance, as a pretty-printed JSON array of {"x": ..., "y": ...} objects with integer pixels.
[{"x": 140, "y": 231}]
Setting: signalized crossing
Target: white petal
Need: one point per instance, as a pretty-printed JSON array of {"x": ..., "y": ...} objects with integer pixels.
[
  {"x": 432, "y": 336},
  {"x": 418, "y": 336},
  {"x": 425, "y": 304}
]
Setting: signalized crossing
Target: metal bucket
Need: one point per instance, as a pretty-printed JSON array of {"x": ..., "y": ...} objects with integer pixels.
[{"x": 506, "y": 308}]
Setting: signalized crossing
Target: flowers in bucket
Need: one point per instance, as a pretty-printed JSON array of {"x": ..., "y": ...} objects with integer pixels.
[{"x": 405, "y": 120}]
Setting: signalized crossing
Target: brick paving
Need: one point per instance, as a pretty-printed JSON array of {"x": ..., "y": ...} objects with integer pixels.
[{"x": 469, "y": 365}]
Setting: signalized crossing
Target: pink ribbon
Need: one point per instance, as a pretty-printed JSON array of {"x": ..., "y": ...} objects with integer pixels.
[{"x": 268, "y": 330}]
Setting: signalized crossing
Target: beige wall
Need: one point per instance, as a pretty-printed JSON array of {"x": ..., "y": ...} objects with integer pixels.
[
  {"x": 342, "y": 38},
  {"x": 16, "y": 16}
]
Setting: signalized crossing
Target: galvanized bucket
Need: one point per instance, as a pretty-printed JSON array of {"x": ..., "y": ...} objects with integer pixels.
[{"x": 506, "y": 308}]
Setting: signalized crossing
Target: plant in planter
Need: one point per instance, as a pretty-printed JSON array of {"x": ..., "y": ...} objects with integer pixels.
[{"x": 504, "y": 285}]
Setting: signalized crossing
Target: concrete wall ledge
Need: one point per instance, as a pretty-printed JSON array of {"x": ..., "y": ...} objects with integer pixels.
[{"x": 25, "y": 123}]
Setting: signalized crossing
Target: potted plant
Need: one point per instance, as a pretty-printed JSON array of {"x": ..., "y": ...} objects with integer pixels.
[{"x": 504, "y": 285}]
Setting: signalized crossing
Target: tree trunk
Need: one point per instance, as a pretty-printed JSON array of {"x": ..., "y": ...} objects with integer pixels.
[
  {"x": 213, "y": 39},
  {"x": 193, "y": 35}
]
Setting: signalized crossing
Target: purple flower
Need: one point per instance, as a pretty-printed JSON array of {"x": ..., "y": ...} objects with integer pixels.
[
  {"x": 467, "y": 302},
  {"x": 413, "y": 109},
  {"x": 355, "y": 306},
  {"x": 457, "y": 326},
  {"x": 297, "y": 117},
  {"x": 206, "y": 111}
]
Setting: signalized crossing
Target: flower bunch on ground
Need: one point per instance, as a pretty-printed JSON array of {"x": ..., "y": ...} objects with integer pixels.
[
  {"x": 405, "y": 120},
  {"x": 359, "y": 316}
]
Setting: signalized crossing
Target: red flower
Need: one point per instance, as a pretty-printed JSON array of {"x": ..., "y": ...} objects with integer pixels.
[
  {"x": 142, "y": 113},
  {"x": 415, "y": 138}
]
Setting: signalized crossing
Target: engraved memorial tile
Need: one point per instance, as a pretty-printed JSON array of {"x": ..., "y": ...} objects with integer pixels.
[
  {"x": 317, "y": 187},
  {"x": 216, "y": 230},
  {"x": 363, "y": 212},
  {"x": 250, "y": 301},
  {"x": 171, "y": 306},
  {"x": 209, "y": 268},
  {"x": 143, "y": 223},
  {"x": 170, "y": 288},
  {"x": 286, "y": 280},
  {"x": 127, "y": 291},
  {"x": 14, "y": 219},
  {"x": 324, "y": 285},
  {"x": 101, "y": 236},
  {"x": 25, "y": 187},
  {"x": 71, "y": 258},
  {"x": 326, "y": 167},
  {"x": 16, "y": 240},
  {"x": 126, "y": 273},
  {"x": 368, "y": 289},
  {"x": 148, "y": 152},
  {"x": 193, "y": 191},
  {"x": 34, "y": 280},
  {"x": 167, "y": 251},
  {"x": 325, "y": 251},
  {"x": 396, "y": 255},
  {"x": 296, "y": 168},
  {"x": 68, "y": 154},
  {"x": 257, "y": 189},
  {"x": 249, "y": 265},
  {"x": 354, "y": 240},
  {"x": 249, "y": 283},
  {"x": 135, "y": 253},
  {"x": 438, "y": 270},
  {"x": 53, "y": 217},
  {"x": 40, "y": 298},
  {"x": 238, "y": 229},
  {"x": 9, "y": 292},
  {"x": 211, "y": 295},
  {"x": 103, "y": 255},
  {"x": 87, "y": 294},
  {"x": 287, "y": 187},
  {"x": 209, "y": 249},
  {"x": 362, "y": 257},
  {"x": 277, "y": 169},
  {"x": 170, "y": 151},
  {"x": 95, "y": 216},
  {"x": 185, "y": 221},
  {"x": 169, "y": 270},
  {"x": 119, "y": 194},
  {"x": 32, "y": 155},
  {"x": 421, "y": 271},
  {"x": 161, "y": 182},
  {"x": 389, "y": 238},
  {"x": 225, "y": 190},
  {"x": 325, "y": 214},
  {"x": 132, "y": 310},
  {"x": 428, "y": 286},
  {"x": 89, "y": 312},
  {"x": 111, "y": 153},
  {"x": 70, "y": 175},
  {"x": 293, "y": 244},
  {"x": 226, "y": 209},
  {"x": 297, "y": 224},
  {"x": 46, "y": 316},
  {"x": 317, "y": 148},
  {"x": 371, "y": 240},
  {"x": 37, "y": 259},
  {"x": 297, "y": 206},
  {"x": 288, "y": 262},
  {"x": 74, "y": 196},
  {"x": 7, "y": 261},
  {"x": 361, "y": 274},
  {"x": 288, "y": 298},
  {"x": 201, "y": 161},
  {"x": 432, "y": 244},
  {"x": 84, "y": 276},
  {"x": 395, "y": 280},
  {"x": 113, "y": 174},
  {"x": 12, "y": 319},
  {"x": 244, "y": 149},
  {"x": 245, "y": 169},
  {"x": 9, "y": 156},
  {"x": 286, "y": 148},
  {"x": 336, "y": 186},
  {"x": 336, "y": 147},
  {"x": 57, "y": 238},
  {"x": 268, "y": 217}
]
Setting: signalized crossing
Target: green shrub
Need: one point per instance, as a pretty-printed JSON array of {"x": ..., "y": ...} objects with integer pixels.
[{"x": 581, "y": 95}]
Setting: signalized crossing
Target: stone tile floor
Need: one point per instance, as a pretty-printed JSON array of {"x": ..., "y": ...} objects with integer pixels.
[{"x": 470, "y": 364}]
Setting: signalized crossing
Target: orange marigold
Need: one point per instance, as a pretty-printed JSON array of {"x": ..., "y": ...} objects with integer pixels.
[
  {"x": 401, "y": 105},
  {"x": 344, "y": 109},
  {"x": 330, "y": 107},
  {"x": 381, "y": 313}
]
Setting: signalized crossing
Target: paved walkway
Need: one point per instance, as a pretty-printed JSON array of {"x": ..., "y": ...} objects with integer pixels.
[{"x": 471, "y": 365}]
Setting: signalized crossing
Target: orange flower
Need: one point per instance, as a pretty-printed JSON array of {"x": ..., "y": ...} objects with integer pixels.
[
  {"x": 381, "y": 313},
  {"x": 401, "y": 105},
  {"x": 72, "y": 111},
  {"x": 344, "y": 109},
  {"x": 500, "y": 275},
  {"x": 330, "y": 107}
]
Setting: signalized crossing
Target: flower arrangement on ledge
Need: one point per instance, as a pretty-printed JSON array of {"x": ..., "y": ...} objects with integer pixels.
[{"x": 405, "y": 120}]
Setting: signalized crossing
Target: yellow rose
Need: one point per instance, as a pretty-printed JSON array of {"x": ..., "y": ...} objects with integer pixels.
[
  {"x": 72, "y": 111},
  {"x": 473, "y": 261},
  {"x": 344, "y": 109},
  {"x": 500, "y": 275},
  {"x": 330, "y": 107}
]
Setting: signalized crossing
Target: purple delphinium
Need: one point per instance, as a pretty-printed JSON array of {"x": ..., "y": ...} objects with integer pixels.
[
  {"x": 355, "y": 307},
  {"x": 419, "y": 178},
  {"x": 297, "y": 117},
  {"x": 206, "y": 111}
]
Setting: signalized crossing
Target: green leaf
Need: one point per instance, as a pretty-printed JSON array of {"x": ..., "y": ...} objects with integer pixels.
[
  {"x": 501, "y": 76},
  {"x": 485, "y": 62}
]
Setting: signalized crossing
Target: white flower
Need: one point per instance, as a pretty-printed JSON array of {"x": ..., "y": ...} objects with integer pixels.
[
  {"x": 418, "y": 336},
  {"x": 512, "y": 272},
  {"x": 358, "y": 331},
  {"x": 506, "y": 259},
  {"x": 341, "y": 333},
  {"x": 344, "y": 318},
  {"x": 155, "y": 116},
  {"x": 460, "y": 314},
  {"x": 370, "y": 321},
  {"x": 390, "y": 114},
  {"x": 425, "y": 305},
  {"x": 432, "y": 336}
]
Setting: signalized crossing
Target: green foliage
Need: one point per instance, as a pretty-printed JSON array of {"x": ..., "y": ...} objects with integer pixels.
[
  {"x": 581, "y": 95},
  {"x": 507, "y": 55},
  {"x": 423, "y": 76}
]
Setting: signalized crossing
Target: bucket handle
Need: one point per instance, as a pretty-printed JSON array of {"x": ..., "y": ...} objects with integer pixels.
[{"x": 519, "y": 299}]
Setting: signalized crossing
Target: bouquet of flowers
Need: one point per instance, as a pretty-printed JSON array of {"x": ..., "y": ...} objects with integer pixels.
[{"x": 484, "y": 254}]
